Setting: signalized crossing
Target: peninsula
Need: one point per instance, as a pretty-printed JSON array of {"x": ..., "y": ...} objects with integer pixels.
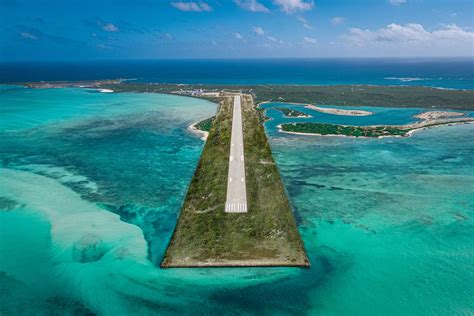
[{"x": 264, "y": 232}]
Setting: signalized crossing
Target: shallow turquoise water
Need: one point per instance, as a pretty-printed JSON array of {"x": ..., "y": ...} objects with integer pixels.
[
  {"x": 387, "y": 223},
  {"x": 380, "y": 116}
]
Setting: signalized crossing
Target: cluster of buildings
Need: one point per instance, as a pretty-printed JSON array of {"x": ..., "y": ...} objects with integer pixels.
[{"x": 198, "y": 92}]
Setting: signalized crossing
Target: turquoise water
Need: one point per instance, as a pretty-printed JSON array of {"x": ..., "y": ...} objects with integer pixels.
[
  {"x": 380, "y": 116},
  {"x": 91, "y": 184}
]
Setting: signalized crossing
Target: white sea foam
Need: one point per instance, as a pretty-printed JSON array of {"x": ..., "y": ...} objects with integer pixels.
[
  {"x": 406, "y": 79},
  {"x": 106, "y": 90},
  {"x": 59, "y": 244},
  {"x": 87, "y": 244}
]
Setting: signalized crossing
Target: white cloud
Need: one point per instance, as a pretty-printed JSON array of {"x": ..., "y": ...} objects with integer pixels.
[
  {"x": 109, "y": 27},
  {"x": 304, "y": 22},
  {"x": 238, "y": 36},
  {"x": 28, "y": 35},
  {"x": 192, "y": 6},
  {"x": 291, "y": 6},
  {"x": 411, "y": 32},
  {"x": 338, "y": 20},
  {"x": 252, "y": 5},
  {"x": 397, "y": 2},
  {"x": 258, "y": 30},
  {"x": 448, "y": 40},
  {"x": 309, "y": 40},
  {"x": 272, "y": 39}
]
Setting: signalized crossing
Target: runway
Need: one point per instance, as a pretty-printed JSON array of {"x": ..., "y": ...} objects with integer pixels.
[{"x": 236, "y": 201}]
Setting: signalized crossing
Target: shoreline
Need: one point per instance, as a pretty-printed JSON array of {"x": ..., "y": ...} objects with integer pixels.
[
  {"x": 409, "y": 132},
  {"x": 237, "y": 264},
  {"x": 335, "y": 111},
  {"x": 106, "y": 90},
  {"x": 196, "y": 131},
  {"x": 326, "y": 110}
]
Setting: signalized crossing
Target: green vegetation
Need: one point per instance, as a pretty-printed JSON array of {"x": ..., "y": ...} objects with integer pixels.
[
  {"x": 333, "y": 129},
  {"x": 207, "y": 236},
  {"x": 262, "y": 117},
  {"x": 350, "y": 95},
  {"x": 361, "y": 95},
  {"x": 205, "y": 125},
  {"x": 292, "y": 113}
]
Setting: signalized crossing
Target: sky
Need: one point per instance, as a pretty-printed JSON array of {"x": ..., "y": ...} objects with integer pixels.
[{"x": 42, "y": 30}]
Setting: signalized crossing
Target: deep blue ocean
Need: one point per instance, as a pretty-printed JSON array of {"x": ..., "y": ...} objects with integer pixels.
[{"x": 442, "y": 73}]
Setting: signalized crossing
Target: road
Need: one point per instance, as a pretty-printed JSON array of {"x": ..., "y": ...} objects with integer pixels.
[{"x": 236, "y": 201}]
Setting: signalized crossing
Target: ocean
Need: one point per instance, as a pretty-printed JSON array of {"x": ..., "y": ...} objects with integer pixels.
[
  {"x": 91, "y": 185},
  {"x": 442, "y": 73}
]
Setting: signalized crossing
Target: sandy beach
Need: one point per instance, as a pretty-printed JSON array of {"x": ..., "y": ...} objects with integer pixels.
[
  {"x": 193, "y": 129},
  {"x": 437, "y": 118},
  {"x": 434, "y": 115},
  {"x": 338, "y": 111},
  {"x": 333, "y": 111}
]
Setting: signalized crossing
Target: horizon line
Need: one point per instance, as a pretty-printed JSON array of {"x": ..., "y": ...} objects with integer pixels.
[{"x": 241, "y": 59}]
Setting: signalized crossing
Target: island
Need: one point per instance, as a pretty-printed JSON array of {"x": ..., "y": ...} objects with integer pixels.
[
  {"x": 265, "y": 234},
  {"x": 337, "y": 95},
  {"x": 428, "y": 120},
  {"x": 293, "y": 113}
]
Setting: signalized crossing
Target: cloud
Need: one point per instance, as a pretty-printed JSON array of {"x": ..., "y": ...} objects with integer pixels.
[
  {"x": 251, "y": 5},
  {"x": 338, "y": 20},
  {"x": 29, "y": 36},
  {"x": 397, "y": 2},
  {"x": 292, "y": 6},
  {"x": 272, "y": 39},
  {"x": 414, "y": 39},
  {"x": 409, "y": 33},
  {"x": 109, "y": 27},
  {"x": 192, "y": 6},
  {"x": 309, "y": 40},
  {"x": 35, "y": 34},
  {"x": 238, "y": 36},
  {"x": 105, "y": 26},
  {"x": 304, "y": 22},
  {"x": 258, "y": 30}
]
